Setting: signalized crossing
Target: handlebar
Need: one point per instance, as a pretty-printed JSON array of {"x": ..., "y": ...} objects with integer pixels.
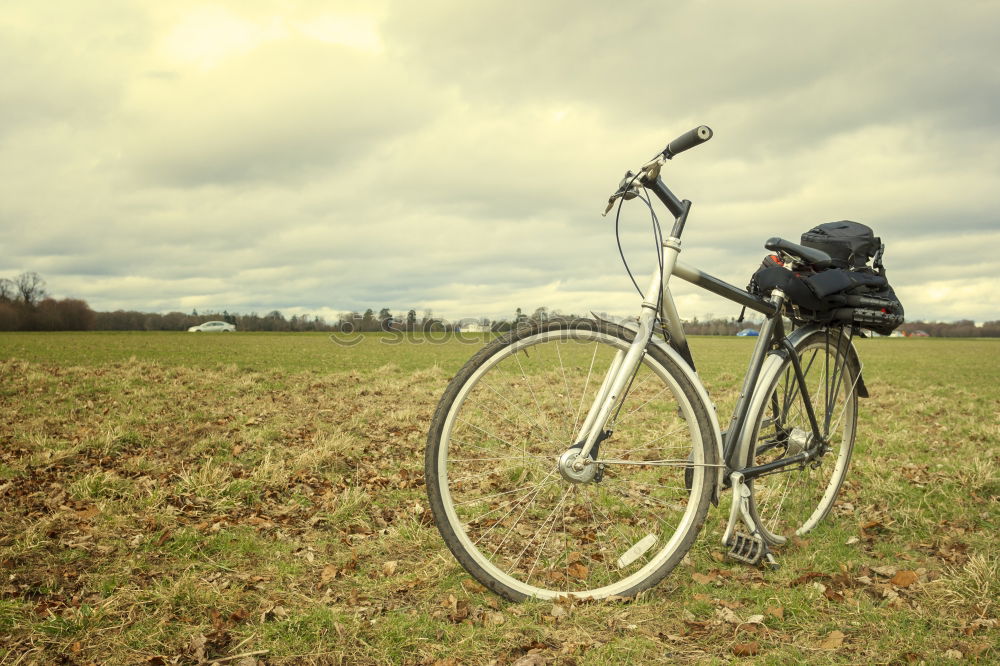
[
  {"x": 688, "y": 140},
  {"x": 649, "y": 174}
]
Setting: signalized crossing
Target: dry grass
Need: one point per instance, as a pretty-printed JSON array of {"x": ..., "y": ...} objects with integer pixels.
[{"x": 161, "y": 513}]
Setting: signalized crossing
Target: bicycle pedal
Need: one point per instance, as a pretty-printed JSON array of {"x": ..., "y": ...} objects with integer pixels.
[{"x": 749, "y": 550}]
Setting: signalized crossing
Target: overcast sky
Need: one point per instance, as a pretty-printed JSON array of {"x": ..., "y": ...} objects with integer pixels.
[{"x": 319, "y": 157}]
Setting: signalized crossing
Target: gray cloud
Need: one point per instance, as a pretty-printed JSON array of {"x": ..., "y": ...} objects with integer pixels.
[
  {"x": 455, "y": 157},
  {"x": 281, "y": 113}
]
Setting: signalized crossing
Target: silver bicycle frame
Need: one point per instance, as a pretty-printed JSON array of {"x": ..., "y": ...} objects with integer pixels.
[
  {"x": 625, "y": 363},
  {"x": 732, "y": 453}
]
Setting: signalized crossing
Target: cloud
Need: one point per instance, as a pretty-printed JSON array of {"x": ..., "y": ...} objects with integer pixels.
[
  {"x": 312, "y": 106},
  {"x": 456, "y": 157}
]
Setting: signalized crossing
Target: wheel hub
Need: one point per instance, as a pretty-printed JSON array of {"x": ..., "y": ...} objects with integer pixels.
[
  {"x": 575, "y": 468},
  {"x": 798, "y": 441}
]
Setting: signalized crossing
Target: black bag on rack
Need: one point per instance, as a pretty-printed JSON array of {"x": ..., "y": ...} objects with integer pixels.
[
  {"x": 851, "y": 291},
  {"x": 849, "y": 244}
]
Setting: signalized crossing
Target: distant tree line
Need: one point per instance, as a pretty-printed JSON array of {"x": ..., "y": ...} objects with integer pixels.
[
  {"x": 131, "y": 320},
  {"x": 26, "y": 306},
  {"x": 965, "y": 328},
  {"x": 369, "y": 321}
]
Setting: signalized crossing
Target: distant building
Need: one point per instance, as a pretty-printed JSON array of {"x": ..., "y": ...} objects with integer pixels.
[{"x": 473, "y": 328}]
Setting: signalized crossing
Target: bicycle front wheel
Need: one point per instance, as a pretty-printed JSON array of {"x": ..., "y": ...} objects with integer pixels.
[
  {"x": 519, "y": 525},
  {"x": 792, "y": 500}
]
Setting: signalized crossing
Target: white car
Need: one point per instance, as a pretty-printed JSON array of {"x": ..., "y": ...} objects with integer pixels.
[{"x": 210, "y": 326}]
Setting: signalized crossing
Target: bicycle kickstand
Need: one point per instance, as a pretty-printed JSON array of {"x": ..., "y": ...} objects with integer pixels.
[{"x": 747, "y": 548}]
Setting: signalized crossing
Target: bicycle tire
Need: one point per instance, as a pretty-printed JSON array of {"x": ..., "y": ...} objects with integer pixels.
[
  {"x": 794, "y": 499},
  {"x": 491, "y": 466}
]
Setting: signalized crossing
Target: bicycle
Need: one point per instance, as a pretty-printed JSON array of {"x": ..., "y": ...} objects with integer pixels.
[{"x": 579, "y": 458}]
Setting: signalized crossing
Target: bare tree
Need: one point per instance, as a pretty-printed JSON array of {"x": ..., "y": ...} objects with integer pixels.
[
  {"x": 30, "y": 287},
  {"x": 8, "y": 290}
]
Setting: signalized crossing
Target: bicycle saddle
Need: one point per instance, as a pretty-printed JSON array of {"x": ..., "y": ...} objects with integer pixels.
[{"x": 816, "y": 258}]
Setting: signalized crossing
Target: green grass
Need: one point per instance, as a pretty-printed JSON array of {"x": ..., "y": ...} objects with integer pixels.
[
  {"x": 172, "y": 496},
  {"x": 291, "y": 352}
]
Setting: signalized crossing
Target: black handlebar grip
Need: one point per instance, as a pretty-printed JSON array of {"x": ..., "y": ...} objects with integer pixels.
[{"x": 688, "y": 140}]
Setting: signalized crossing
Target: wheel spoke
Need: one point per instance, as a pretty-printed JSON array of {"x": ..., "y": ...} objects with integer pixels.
[
  {"x": 583, "y": 394},
  {"x": 541, "y": 546},
  {"x": 562, "y": 371},
  {"x": 542, "y": 421},
  {"x": 520, "y": 411},
  {"x": 508, "y": 492}
]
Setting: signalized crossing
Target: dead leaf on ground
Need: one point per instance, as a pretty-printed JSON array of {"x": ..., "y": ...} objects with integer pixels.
[
  {"x": 389, "y": 568},
  {"x": 808, "y": 576},
  {"x": 196, "y": 647},
  {"x": 559, "y": 610},
  {"x": 460, "y": 613},
  {"x": 746, "y": 649},
  {"x": 704, "y": 579},
  {"x": 494, "y": 619},
  {"x": 832, "y": 641},
  {"x": 904, "y": 578},
  {"x": 471, "y": 586},
  {"x": 727, "y": 615}
]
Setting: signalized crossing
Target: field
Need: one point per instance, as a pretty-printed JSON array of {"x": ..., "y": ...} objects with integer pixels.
[{"x": 256, "y": 498}]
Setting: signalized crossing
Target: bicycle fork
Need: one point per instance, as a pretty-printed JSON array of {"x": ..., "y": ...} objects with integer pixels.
[{"x": 573, "y": 464}]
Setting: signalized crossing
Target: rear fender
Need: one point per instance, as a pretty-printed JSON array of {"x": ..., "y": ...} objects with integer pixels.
[
  {"x": 797, "y": 336},
  {"x": 773, "y": 364}
]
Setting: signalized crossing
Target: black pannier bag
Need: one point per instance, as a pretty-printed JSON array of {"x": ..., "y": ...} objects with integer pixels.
[{"x": 851, "y": 292}]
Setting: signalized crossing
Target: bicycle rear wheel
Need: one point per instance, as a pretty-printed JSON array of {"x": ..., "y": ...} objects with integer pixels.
[
  {"x": 505, "y": 510},
  {"x": 794, "y": 499}
]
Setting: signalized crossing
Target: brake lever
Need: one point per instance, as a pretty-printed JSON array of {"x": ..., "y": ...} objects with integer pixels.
[{"x": 626, "y": 190}]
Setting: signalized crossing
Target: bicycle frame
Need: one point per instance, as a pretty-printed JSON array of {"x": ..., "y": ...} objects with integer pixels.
[{"x": 658, "y": 303}]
